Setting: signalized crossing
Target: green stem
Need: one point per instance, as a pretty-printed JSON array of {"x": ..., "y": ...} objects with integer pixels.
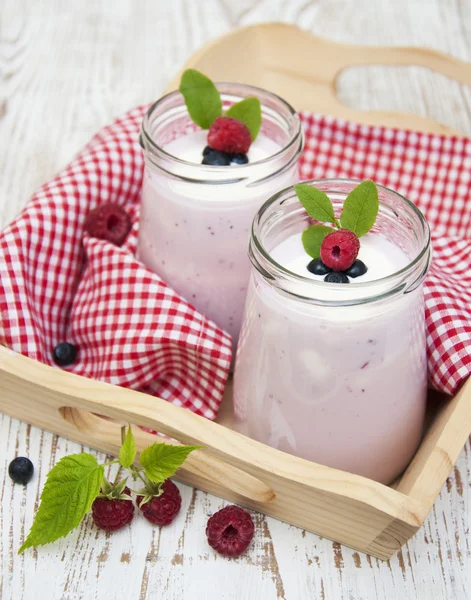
[
  {"x": 117, "y": 476},
  {"x": 337, "y": 224},
  {"x": 113, "y": 462}
]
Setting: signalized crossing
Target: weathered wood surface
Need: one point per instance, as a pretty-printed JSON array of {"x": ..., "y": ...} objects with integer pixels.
[{"x": 65, "y": 70}]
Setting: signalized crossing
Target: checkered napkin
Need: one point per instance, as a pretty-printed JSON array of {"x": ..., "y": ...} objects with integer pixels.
[{"x": 133, "y": 330}]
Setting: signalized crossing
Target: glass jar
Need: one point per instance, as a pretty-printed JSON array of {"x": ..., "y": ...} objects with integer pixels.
[
  {"x": 335, "y": 373},
  {"x": 195, "y": 219}
]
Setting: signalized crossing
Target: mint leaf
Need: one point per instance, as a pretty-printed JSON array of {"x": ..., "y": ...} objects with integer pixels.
[
  {"x": 313, "y": 237},
  {"x": 160, "y": 461},
  {"x": 71, "y": 487},
  {"x": 249, "y": 112},
  {"x": 360, "y": 208},
  {"x": 127, "y": 452},
  {"x": 201, "y": 98},
  {"x": 316, "y": 203}
]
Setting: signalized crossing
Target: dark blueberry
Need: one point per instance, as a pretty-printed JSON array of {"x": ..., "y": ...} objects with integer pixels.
[
  {"x": 21, "y": 470},
  {"x": 336, "y": 277},
  {"x": 207, "y": 150},
  {"x": 217, "y": 158},
  {"x": 240, "y": 159},
  {"x": 358, "y": 268},
  {"x": 317, "y": 267},
  {"x": 64, "y": 354}
]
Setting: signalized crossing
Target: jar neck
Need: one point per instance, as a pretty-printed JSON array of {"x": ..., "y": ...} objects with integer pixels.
[
  {"x": 398, "y": 220},
  {"x": 168, "y": 119}
]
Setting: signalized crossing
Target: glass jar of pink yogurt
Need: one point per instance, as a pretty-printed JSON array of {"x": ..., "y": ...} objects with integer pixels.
[
  {"x": 195, "y": 219},
  {"x": 336, "y": 373}
]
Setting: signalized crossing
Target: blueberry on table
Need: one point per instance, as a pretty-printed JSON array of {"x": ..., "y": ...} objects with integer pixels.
[
  {"x": 239, "y": 159},
  {"x": 336, "y": 277},
  {"x": 317, "y": 267},
  {"x": 217, "y": 158},
  {"x": 358, "y": 268},
  {"x": 21, "y": 470},
  {"x": 64, "y": 354}
]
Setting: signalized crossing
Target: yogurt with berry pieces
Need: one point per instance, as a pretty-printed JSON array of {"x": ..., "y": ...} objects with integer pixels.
[
  {"x": 198, "y": 200},
  {"x": 331, "y": 363}
]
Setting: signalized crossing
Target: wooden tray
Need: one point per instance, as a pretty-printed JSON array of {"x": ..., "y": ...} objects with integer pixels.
[{"x": 350, "y": 509}]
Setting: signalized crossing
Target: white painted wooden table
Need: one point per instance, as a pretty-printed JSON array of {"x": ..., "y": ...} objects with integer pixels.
[{"x": 67, "y": 68}]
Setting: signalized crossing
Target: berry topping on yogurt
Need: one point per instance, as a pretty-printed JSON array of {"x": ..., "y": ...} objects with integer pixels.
[
  {"x": 231, "y": 132},
  {"x": 334, "y": 243}
]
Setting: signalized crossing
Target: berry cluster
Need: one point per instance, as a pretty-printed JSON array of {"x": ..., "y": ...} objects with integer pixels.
[
  {"x": 229, "y": 141},
  {"x": 338, "y": 260}
]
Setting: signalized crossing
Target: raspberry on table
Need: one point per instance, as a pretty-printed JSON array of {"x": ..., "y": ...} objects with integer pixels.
[
  {"x": 109, "y": 222},
  {"x": 229, "y": 135},
  {"x": 162, "y": 509},
  {"x": 112, "y": 515},
  {"x": 339, "y": 249},
  {"x": 230, "y": 531}
]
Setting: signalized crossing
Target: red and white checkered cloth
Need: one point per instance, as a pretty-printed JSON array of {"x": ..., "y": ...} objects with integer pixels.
[{"x": 132, "y": 330}]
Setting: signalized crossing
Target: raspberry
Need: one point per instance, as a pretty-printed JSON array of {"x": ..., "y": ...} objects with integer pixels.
[
  {"x": 112, "y": 515},
  {"x": 339, "y": 249},
  {"x": 162, "y": 509},
  {"x": 229, "y": 135},
  {"x": 230, "y": 531},
  {"x": 109, "y": 222}
]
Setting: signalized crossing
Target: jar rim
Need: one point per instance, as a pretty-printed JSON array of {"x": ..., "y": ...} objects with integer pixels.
[
  {"x": 241, "y": 169},
  {"x": 272, "y": 269}
]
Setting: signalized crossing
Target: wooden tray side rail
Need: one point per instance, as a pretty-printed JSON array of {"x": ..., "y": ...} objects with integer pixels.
[
  {"x": 304, "y": 69},
  {"x": 353, "y": 510}
]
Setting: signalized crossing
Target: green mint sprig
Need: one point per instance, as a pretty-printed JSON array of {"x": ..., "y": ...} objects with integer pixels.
[
  {"x": 204, "y": 103},
  {"x": 359, "y": 213},
  {"x": 77, "y": 480}
]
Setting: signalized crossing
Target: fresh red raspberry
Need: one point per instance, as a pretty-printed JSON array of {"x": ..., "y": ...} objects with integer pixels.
[
  {"x": 230, "y": 531},
  {"x": 162, "y": 509},
  {"x": 109, "y": 222},
  {"x": 339, "y": 249},
  {"x": 229, "y": 135},
  {"x": 112, "y": 515}
]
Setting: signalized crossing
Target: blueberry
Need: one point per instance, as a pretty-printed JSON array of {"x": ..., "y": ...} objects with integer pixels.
[
  {"x": 216, "y": 158},
  {"x": 317, "y": 267},
  {"x": 64, "y": 354},
  {"x": 239, "y": 159},
  {"x": 207, "y": 150},
  {"x": 21, "y": 470},
  {"x": 358, "y": 268},
  {"x": 336, "y": 277}
]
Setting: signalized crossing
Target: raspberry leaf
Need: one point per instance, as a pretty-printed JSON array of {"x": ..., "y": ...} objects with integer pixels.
[
  {"x": 127, "y": 452},
  {"x": 201, "y": 98},
  {"x": 71, "y": 487},
  {"x": 313, "y": 237},
  {"x": 360, "y": 208},
  {"x": 249, "y": 112},
  {"x": 317, "y": 204},
  {"x": 160, "y": 461}
]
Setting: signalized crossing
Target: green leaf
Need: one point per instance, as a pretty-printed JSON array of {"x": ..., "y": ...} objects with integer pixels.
[
  {"x": 160, "y": 461},
  {"x": 313, "y": 237},
  {"x": 127, "y": 452},
  {"x": 360, "y": 208},
  {"x": 316, "y": 203},
  {"x": 201, "y": 98},
  {"x": 71, "y": 487},
  {"x": 249, "y": 112}
]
